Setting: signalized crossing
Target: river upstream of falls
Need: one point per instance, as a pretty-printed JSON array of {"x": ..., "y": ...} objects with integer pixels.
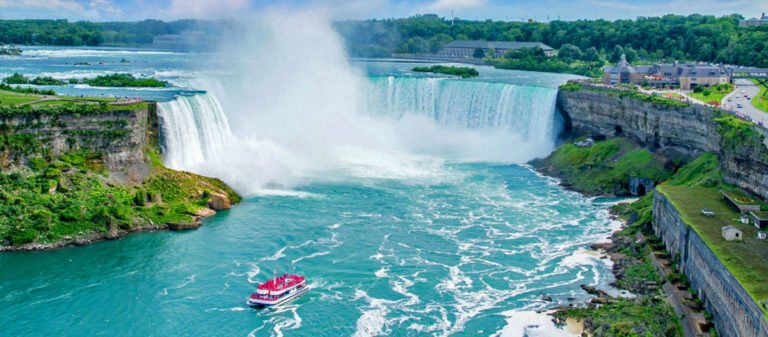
[{"x": 404, "y": 199}]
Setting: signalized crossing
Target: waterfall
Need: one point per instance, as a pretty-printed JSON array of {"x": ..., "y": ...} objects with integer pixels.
[
  {"x": 193, "y": 128},
  {"x": 386, "y": 130},
  {"x": 525, "y": 110},
  {"x": 271, "y": 117}
]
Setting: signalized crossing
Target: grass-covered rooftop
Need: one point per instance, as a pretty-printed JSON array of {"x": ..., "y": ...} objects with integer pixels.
[{"x": 746, "y": 259}]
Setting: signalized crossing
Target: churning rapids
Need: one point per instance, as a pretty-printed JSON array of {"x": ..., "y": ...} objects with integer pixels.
[{"x": 402, "y": 197}]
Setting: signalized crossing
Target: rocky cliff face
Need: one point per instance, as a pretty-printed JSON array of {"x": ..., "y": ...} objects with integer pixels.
[
  {"x": 119, "y": 134},
  {"x": 678, "y": 132},
  {"x": 686, "y": 131}
]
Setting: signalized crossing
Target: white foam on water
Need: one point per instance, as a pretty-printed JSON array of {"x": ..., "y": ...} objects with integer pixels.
[
  {"x": 382, "y": 272},
  {"x": 313, "y": 255},
  {"x": 278, "y": 255},
  {"x": 81, "y": 52},
  {"x": 253, "y": 272},
  {"x": 530, "y": 324},
  {"x": 372, "y": 321},
  {"x": 266, "y": 192}
]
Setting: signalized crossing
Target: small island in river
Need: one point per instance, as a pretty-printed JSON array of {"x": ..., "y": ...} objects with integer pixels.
[{"x": 463, "y": 72}]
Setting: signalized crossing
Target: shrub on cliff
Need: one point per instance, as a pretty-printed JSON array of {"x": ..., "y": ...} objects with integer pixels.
[
  {"x": 123, "y": 80},
  {"x": 49, "y": 204},
  {"x": 603, "y": 168},
  {"x": 736, "y": 133},
  {"x": 463, "y": 72}
]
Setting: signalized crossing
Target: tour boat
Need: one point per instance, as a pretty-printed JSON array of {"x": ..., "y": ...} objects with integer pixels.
[{"x": 277, "y": 291}]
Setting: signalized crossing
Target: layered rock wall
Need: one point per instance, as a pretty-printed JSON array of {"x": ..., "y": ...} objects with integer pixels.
[
  {"x": 119, "y": 134},
  {"x": 678, "y": 132},
  {"x": 685, "y": 130},
  {"x": 734, "y": 311}
]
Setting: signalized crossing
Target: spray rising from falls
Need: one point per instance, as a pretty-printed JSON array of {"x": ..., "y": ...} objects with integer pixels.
[{"x": 278, "y": 118}]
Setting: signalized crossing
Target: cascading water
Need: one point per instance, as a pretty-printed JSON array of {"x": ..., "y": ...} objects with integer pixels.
[
  {"x": 470, "y": 104},
  {"x": 194, "y": 127},
  {"x": 399, "y": 117}
]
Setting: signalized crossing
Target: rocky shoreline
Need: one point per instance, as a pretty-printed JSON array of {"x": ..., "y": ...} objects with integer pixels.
[
  {"x": 217, "y": 202},
  {"x": 625, "y": 248}
]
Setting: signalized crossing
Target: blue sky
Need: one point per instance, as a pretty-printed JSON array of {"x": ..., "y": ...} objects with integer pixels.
[{"x": 104, "y": 10}]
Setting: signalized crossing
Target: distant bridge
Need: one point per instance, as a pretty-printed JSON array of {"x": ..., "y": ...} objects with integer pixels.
[{"x": 758, "y": 74}]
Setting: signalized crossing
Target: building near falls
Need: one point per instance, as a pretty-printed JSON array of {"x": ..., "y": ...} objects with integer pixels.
[
  {"x": 466, "y": 48},
  {"x": 683, "y": 75},
  {"x": 186, "y": 41},
  {"x": 763, "y": 20}
]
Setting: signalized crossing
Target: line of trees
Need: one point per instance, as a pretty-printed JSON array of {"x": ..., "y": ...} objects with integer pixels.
[
  {"x": 693, "y": 37},
  {"x": 65, "y": 33}
]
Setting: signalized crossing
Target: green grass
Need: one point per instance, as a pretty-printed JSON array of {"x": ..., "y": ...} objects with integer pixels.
[
  {"x": 13, "y": 98},
  {"x": 661, "y": 100},
  {"x": 744, "y": 259},
  {"x": 756, "y": 100},
  {"x": 68, "y": 197},
  {"x": 629, "y": 318},
  {"x": 463, "y": 72},
  {"x": 605, "y": 167},
  {"x": 716, "y": 94},
  {"x": 10, "y": 98},
  {"x": 702, "y": 171},
  {"x": 741, "y": 198}
]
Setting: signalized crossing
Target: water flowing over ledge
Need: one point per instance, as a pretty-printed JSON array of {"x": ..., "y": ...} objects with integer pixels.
[{"x": 398, "y": 125}]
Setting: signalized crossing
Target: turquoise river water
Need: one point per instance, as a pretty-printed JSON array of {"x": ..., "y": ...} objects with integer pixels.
[{"x": 410, "y": 210}]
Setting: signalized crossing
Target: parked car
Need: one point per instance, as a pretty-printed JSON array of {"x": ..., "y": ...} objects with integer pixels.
[{"x": 739, "y": 106}]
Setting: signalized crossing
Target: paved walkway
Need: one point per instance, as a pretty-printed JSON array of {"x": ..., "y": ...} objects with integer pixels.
[{"x": 677, "y": 298}]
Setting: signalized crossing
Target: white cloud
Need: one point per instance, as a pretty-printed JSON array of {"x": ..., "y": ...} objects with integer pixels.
[
  {"x": 58, "y": 9},
  {"x": 455, "y": 4},
  {"x": 104, "y": 6},
  {"x": 207, "y": 9},
  {"x": 49, "y": 4}
]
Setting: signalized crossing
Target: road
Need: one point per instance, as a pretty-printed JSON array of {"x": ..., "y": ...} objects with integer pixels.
[{"x": 750, "y": 89}]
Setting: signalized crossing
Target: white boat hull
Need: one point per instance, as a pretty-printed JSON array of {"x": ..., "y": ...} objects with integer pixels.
[{"x": 255, "y": 302}]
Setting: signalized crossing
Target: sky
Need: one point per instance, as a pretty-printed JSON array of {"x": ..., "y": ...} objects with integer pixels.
[{"x": 510, "y": 10}]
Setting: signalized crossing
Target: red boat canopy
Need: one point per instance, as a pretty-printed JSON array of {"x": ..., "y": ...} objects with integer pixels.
[{"x": 280, "y": 284}]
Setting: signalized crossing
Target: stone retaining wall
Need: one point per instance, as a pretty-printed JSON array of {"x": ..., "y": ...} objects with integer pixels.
[{"x": 734, "y": 312}]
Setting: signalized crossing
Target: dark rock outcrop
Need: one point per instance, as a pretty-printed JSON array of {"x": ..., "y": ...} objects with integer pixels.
[{"x": 218, "y": 202}]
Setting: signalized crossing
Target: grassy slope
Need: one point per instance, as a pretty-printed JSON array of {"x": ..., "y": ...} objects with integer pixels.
[
  {"x": 745, "y": 259},
  {"x": 703, "y": 172},
  {"x": 647, "y": 317},
  {"x": 603, "y": 168},
  {"x": 756, "y": 100},
  {"x": 69, "y": 196}
]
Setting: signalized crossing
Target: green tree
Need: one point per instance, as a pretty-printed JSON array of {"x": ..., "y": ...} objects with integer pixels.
[
  {"x": 592, "y": 55},
  {"x": 630, "y": 54},
  {"x": 616, "y": 54},
  {"x": 479, "y": 53},
  {"x": 570, "y": 53}
]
